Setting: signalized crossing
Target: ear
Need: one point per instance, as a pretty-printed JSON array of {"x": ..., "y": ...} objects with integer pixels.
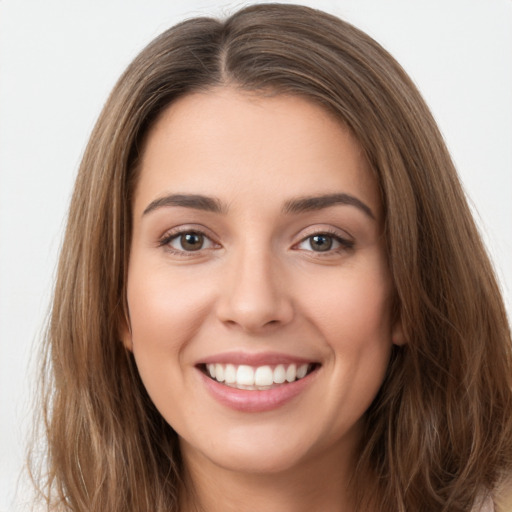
[
  {"x": 397, "y": 333},
  {"x": 125, "y": 330}
]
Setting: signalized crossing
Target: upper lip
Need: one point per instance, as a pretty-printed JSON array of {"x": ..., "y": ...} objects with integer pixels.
[{"x": 258, "y": 359}]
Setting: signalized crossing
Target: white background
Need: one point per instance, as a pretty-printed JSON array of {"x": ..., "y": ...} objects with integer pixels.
[{"x": 58, "y": 61}]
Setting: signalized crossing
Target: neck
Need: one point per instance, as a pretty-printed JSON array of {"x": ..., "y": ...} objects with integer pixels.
[{"x": 319, "y": 484}]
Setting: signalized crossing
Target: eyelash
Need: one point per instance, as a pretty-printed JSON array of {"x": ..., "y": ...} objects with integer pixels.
[
  {"x": 174, "y": 235},
  {"x": 344, "y": 244}
]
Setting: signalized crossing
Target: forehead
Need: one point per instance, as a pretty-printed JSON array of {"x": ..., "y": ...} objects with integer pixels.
[{"x": 251, "y": 148}]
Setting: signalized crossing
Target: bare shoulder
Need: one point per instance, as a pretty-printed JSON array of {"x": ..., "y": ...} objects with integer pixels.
[
  {"x": 485, "y": 505},
  {"x": 503, "y": 498}
]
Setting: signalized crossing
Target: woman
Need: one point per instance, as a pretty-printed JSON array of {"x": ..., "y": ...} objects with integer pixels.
[{"x": 271, "y": 294}]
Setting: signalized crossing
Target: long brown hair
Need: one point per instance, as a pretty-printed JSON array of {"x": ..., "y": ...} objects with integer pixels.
[{"x": 439, "y": 434}]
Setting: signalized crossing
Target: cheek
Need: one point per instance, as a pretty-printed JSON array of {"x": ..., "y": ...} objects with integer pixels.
[
  {"x": 165, "y": 314},
  {"x": 356, "y": 329},
  {"x": 165, "y": 308},
  {"x": 352, "y": 306},
  {"x": 352, "y": 315}
]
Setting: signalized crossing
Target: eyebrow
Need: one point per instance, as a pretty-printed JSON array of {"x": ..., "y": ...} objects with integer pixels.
[
  {"x": 306, "y": 204},
  {"x": 298, "y": 205},
  {"x": 195, "y": 201}
]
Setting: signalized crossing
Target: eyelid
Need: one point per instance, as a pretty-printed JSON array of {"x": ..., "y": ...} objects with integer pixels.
[
  {"x": 345, "y": 240},
  {"x": 173, "y": 233}
]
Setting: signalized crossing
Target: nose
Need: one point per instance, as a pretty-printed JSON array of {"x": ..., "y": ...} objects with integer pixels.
[{"x": 255, "y": 294}]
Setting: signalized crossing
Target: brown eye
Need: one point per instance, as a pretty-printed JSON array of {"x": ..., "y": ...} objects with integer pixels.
[
  {"x": 320, "y": 243},
  {"x": 188, "y": 241},
  {"x": 191, "y": 241},
  {"x": 325, "y": 242}
]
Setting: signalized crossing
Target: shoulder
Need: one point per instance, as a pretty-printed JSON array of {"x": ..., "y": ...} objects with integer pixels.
[
  {"x": 503, "y": 498},
  {"x": 486, "y": 504},
  {"x": 500, "y": 501}
]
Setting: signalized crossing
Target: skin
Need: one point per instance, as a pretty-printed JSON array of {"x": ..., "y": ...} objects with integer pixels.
[{"x": 258, "y": 285}]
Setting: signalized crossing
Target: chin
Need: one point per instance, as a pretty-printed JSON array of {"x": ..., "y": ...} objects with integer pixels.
[
  {"x": 255, "y": 451},
  {"x": 257, "y": 461}
]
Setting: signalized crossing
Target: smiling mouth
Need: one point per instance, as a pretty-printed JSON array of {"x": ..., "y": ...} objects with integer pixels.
[{"x": 257, "y": 378}]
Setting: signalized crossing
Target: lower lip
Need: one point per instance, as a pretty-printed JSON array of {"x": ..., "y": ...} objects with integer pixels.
[{"x": 253, "y": 400}]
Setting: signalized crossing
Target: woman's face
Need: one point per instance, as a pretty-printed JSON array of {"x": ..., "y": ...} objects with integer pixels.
[{"x": 258, "y": 290}]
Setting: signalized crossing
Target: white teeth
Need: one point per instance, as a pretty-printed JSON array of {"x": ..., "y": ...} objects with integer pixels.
[
  {"x": 219, "y": 372},
  {"x": 301, "y": 371},
  {"x": 291, "y": 373},
  {"x": 261, "y": 377},
  {"x": 280, "y": 374},
  {"x": 230, "y": 374},
  {"x": 245, "y": 375}
]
